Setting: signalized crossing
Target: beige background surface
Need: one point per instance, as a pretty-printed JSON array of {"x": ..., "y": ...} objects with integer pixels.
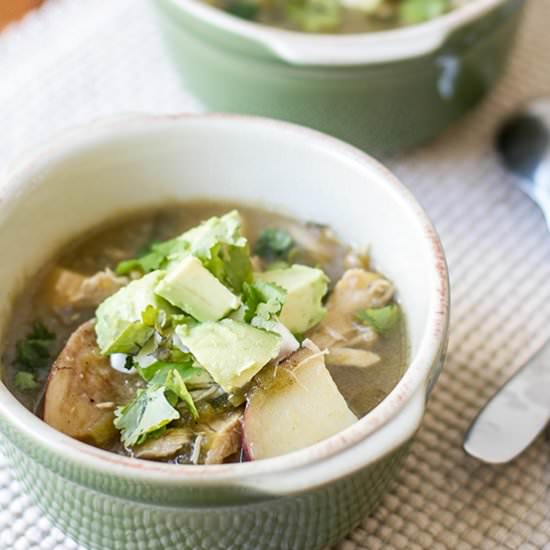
[{"x": 103, "y": 57}]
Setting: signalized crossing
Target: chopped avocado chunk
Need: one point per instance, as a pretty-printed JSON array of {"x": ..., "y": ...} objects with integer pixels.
[
  {"x": 380, "y": 319},
  {"x": 225, "y": 229},
  {"x": 124, "y": 319},
  {"x": 305, "y": 288},
  {"x": 222, "y": 249},
  {"x": 191, "y": 287},
  {"x": 232, "y": 352},
  {"x": 217, "y": 243}
]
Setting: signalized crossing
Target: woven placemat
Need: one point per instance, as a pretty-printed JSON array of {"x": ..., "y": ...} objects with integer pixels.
[{"x": 74, "y": 61}]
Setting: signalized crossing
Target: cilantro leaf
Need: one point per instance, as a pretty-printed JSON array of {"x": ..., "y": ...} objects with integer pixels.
[
  {"x": 274, "y": 244},
  {"x": 147, "y": 413},
  {"x": 40, "y": 332},
  {"x": 221, "y": 248},
  {"x": 204, "y": 237},
  {"x": 172, "y": 376},
  {"x": 217, "y": 243},
  {"x": 25, "y": 381},
  {"x": 174, "y": 383},
  {"x": 33, "y": 352},
  {"x": 262, "y": 303},
  {"x": 231, "y": 265},
  {"x": 184, "y": 368},
  {"x": 155, "y": 258},
  {"x": 380, "y": 319},
  {"x": 154, "y": 407}
]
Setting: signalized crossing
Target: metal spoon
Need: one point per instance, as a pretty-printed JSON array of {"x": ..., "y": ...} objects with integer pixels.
[{"x": 520, "y": 410}]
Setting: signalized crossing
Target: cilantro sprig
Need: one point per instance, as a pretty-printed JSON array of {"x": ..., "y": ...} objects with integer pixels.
[
  {"x": 155, "y": 407},
  {"x": 274, "y": 244},
  {"x": 32, "y": 354},
  {"x": 262, "y": 303},
  {"x": 217, "y": 243}
]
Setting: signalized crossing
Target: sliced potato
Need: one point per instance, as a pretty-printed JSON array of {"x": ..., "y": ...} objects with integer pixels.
[
  {"x": 302, "y": 407},
  {"x": 298, "y": 404},
  {"x": 81, "y": 382}
]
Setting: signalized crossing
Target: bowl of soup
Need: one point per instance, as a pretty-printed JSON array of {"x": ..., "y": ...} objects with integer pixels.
[
  {"x": 218, "y": 332},
  {"x": 384, "y": 75}
]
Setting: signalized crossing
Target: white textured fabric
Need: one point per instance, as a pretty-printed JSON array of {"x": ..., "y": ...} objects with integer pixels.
[{"x": 78, "y": 60}]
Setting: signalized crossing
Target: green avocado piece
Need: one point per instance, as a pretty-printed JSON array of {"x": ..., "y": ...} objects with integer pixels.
[
  {"x": 305, "y": 287},
  {"x": 216, "y": 242},
  {"x": 231, "y": 351},
  {"x": 191, "y": 287},
  {"x": 120, "y": 325}
]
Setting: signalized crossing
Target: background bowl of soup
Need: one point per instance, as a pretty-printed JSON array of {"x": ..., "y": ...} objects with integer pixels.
[
  {"x": 302, "y": 500},
  {"x": 382, "y": 91}
]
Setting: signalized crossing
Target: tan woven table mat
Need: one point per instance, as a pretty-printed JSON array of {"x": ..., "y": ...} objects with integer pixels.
[{"x": 103, "y": 57}]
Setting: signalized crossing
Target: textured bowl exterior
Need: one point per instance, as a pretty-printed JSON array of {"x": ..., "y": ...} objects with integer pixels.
[
  {"x": 303, "y": 500},
  {"x": 104, "y": 521},
  {"x": 384, "y": 107}
]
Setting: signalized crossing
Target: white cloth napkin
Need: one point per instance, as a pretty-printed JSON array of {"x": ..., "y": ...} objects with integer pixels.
[{"x": 76, "y": 60}]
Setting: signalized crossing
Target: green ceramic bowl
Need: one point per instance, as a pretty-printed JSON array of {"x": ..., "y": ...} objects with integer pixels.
[
  {"x": 381, "y": 91},
  {"x": 300, "y": 501}
]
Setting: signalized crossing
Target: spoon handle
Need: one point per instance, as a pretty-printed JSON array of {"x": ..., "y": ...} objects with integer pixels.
[
  {"x": 515, "y": 415},
  {"x": 539, "y": 188}
]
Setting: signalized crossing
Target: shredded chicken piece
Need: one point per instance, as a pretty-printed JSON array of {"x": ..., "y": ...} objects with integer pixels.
[
  {"x": 66, "y": 288},
  {"x": 357, "y": 258},
  {"x": 364, "y": 335},
  {"x": 197, "y": 447},
  {"x": 165, "y": 446},
  {"x": 351, "y": 357},
  {"x": 226, "y": 439},
  {"x": 320, "y": 244},
  {"x": 381, "y": 292},
  {"x": 357, "y": 289},
  {"x": 98, "y": 287},
  {"x": 311, "y": 345}
]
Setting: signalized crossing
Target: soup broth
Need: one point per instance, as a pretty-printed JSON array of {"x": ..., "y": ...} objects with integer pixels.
[
  {"x": 337, "y": 16},
  {"x": 215, "y": 418}
]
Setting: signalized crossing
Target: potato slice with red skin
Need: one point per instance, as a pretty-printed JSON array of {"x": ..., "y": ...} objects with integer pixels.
[
  {"x": 302, "y": 407},
  {"x": 83, "y": 390}
]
